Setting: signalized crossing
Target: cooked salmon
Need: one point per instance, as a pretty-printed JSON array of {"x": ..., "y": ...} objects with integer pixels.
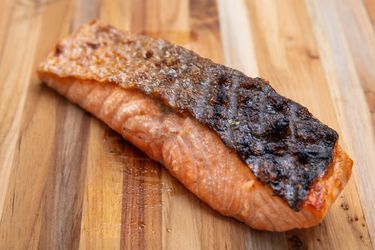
[{"x": 230, "y": 139}]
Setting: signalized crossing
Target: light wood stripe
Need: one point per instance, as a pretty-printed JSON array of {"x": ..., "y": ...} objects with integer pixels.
[
  {"x": 237, "y": 37},
  {"x": 214, "y": 230},
  {"x": 240, "y": 54},
  {"x": 5, "y": 23},
  {"x": 284, "y": 42},
  {"x": 13, "y": 90},
  {"x": 176, "y": 226},
  {"x": 101, "y": 215},
  {"x": 30, "y": 166},
  {"x": 350, "y": 102},
  {"x": 101, "y": 225}
]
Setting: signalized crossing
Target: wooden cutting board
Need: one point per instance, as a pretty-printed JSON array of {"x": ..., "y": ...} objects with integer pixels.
[{"x": 67, "y": 181}]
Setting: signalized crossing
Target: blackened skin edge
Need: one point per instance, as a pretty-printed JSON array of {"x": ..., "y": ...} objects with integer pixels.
[{"x": 282, "y": 143}]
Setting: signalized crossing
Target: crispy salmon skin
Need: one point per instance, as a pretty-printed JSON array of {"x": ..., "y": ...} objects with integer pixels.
[{"x": 230, "y": 139}]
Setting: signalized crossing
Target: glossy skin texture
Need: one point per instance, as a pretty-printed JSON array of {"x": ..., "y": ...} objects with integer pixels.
[
  {"x": 197, "y": 157},
  {"x": 281, "y": 142}
]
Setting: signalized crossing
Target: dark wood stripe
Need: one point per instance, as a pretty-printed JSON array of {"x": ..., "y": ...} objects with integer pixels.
[
  {"x": 142, "y": 187},
  {"x": 141, "y": 207},
  {"x": 63, "y": 193},
  {"x": 204, "y": 21},
  {"x": 139, "y": 16},
  {"x": 205, "y": 27},
  {"x": 370, "y": 8}
]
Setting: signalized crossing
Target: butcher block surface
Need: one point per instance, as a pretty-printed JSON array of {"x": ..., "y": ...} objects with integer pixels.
[{"x": 67, "y": 181}]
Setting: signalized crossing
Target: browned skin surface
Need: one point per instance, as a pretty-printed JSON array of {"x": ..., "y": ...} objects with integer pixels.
[
  {"x": 197, "y": 157},
  {"x": 282, "y": 143}
]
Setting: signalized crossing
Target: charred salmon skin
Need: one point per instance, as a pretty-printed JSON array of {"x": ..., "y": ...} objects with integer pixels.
[{"x": 242, "y": 148}]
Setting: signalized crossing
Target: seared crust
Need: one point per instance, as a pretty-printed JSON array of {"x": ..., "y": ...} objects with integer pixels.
[
  {"x": 326, "y": 188},
  {"x": 281, "y": 142},
  {"x": 196, "y": 156}
]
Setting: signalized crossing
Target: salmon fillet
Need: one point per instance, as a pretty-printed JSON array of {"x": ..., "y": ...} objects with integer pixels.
[{"x": 138, "y": 86}]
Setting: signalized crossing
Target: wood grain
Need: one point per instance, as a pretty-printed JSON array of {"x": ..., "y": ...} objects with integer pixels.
[
  {"x": 350, "y": 81},
  {"x": 239, "y": 52},
  {"x": 69, "y": 182},
  {"x": 289, "y": 46},
  {"x": 370, "y": 8}
]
